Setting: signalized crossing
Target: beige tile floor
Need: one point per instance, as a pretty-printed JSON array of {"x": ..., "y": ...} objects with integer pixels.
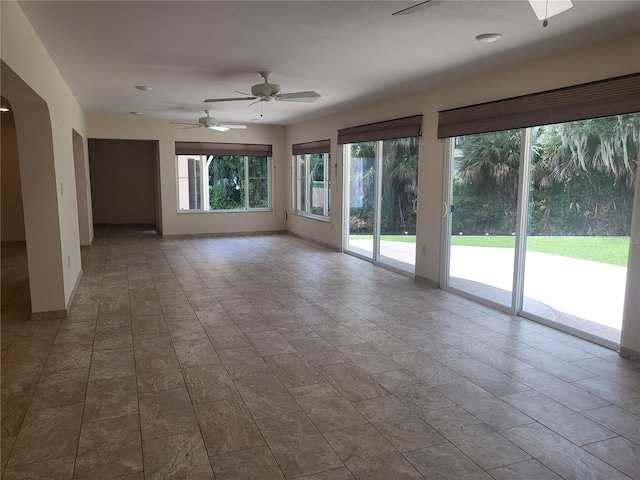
[{"x": 269, "y": 358}]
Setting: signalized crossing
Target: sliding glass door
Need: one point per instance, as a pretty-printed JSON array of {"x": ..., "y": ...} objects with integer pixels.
[
  {"x": 361, "y": 188},
  {"x": 485, "y": 197},
  {"x": 546, "y": 237},
  {"x": 382, "y": 200},
  {"x": 579, "y": 221}
]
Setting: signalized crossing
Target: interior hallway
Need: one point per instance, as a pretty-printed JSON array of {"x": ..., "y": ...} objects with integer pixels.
[{"x": 270, "y": 357}]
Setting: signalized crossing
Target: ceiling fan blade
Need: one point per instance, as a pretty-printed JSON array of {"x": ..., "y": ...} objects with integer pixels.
[
  {"x": 184, "y": 123},
  {"x": 236, "y": 126},
  {"x": 307, "y": 97},
  {"x": 417, "y": 7},
  {"x": 219, "y": 128},
  {"x": 548, "y": 8},
  {"x": 234, "y": 99}
]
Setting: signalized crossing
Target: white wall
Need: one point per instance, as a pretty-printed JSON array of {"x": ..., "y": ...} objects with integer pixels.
[
  {"x": 54, "y": 251},
  {"x": 174, "y": 223}
]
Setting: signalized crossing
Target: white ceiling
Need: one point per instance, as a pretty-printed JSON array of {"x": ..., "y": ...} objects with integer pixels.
[{"x": 351, "y": 52}]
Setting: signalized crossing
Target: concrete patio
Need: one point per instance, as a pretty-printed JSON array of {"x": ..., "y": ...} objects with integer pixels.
[{"x": 579, "y": 293}]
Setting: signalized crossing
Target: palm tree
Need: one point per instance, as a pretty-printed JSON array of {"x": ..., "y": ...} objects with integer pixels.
[
  {"x": 400, "y": 183},
  {"x": 591, "y": 168},
  {"x": 486, "y": 183},
  {"x": 583, "y": 175},
  {"x": 607, "y": 145}
]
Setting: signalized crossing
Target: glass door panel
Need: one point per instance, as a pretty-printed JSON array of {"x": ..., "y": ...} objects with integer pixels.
[
  {"x": 361, "y": 188},
  {"x": 483, "y": 222},
  {"x": 579, "y": 221},
  {"x": 399, "y": 195}
]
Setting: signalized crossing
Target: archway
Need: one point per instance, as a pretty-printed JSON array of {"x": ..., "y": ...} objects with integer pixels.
[
  {"x": 39, "y": 195},
  {"x": 16, "y": 300}
]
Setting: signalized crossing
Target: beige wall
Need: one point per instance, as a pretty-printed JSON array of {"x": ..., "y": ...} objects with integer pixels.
[
  {"x": 609, "y": 59},
  {"x": 46, "y": 113},
  {"x": 123, "y": 188},
  {"x": 12, "y": 216},
  {"x": 174, "y": 223}
]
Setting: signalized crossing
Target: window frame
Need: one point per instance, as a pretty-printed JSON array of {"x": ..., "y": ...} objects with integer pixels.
[
  {"x": 305, "y": 209},
  {"x": 204, "y": 160}
]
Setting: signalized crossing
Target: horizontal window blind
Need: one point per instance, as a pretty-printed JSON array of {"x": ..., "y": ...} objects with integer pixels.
[
  {"x": 206, "y": 148},
  {"x": 321, "y": 146},
  {"x": 614, "y": 96},
  {"x": 398, "y": 128}
]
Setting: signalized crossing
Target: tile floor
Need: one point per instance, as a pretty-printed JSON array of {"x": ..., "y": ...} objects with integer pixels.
[{"x": 271, "y": 358}]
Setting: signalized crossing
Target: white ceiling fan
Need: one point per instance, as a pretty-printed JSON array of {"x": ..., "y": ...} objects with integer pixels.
[
  {"x": 543, "y": 9},
  {"x": 266, "y": 92},
  {"x": 211, "y": 123}
]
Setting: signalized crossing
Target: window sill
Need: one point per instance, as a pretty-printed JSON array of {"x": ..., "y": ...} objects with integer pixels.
[
  {"x": 252, "y": 210},
  {"x": 312, "y": 217}
]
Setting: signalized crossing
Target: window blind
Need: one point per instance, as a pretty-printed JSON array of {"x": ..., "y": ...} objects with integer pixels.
[
  {"x": 398, "y": 128},
  {"x": 205, "y": 148},
  {"x": 614, "y": 96},
  {"x": 320, "y": 146}
]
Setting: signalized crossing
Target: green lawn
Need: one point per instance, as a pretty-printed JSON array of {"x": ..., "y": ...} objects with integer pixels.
[
  {"x": 612, "y": 250},
  {"x": 388, "y": 238}
]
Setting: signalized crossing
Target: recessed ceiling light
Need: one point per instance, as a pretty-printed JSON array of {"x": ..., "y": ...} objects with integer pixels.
[
  {"x": 4, "y": 109},
  {"x": 135, "y": 113},
  {"x": 144, "y": 88},
  {"x": 488, "y": 37}
]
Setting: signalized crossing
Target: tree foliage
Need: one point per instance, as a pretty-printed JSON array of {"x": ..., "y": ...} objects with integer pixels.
[
  {"x": 583, "y": 177},
  {"x": 227, "y": 182},
  {"x": 399, "y": 186}
]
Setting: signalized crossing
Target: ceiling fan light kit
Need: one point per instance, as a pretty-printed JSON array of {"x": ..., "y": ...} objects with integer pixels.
[{"x": 211, "y": 123}]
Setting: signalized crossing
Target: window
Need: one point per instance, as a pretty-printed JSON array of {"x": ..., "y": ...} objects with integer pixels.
[
  {"x": 314, "y": 184},
  {"x": 223, "y": 182}
]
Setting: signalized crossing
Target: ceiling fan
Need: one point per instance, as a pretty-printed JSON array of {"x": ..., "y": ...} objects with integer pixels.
[
  {"x": 211, "y": 123},
  {"x": 266, "y": 92},
  {"x": 542, "y": 8}
]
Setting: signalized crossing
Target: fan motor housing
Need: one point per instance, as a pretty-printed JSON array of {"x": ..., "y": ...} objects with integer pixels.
[{"x": 265, "y": 90}]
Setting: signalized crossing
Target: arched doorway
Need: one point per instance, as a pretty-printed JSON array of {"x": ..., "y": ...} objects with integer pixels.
[
  {"x": 39, "y": 195},
  {"x": 15, "y": 296}
]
